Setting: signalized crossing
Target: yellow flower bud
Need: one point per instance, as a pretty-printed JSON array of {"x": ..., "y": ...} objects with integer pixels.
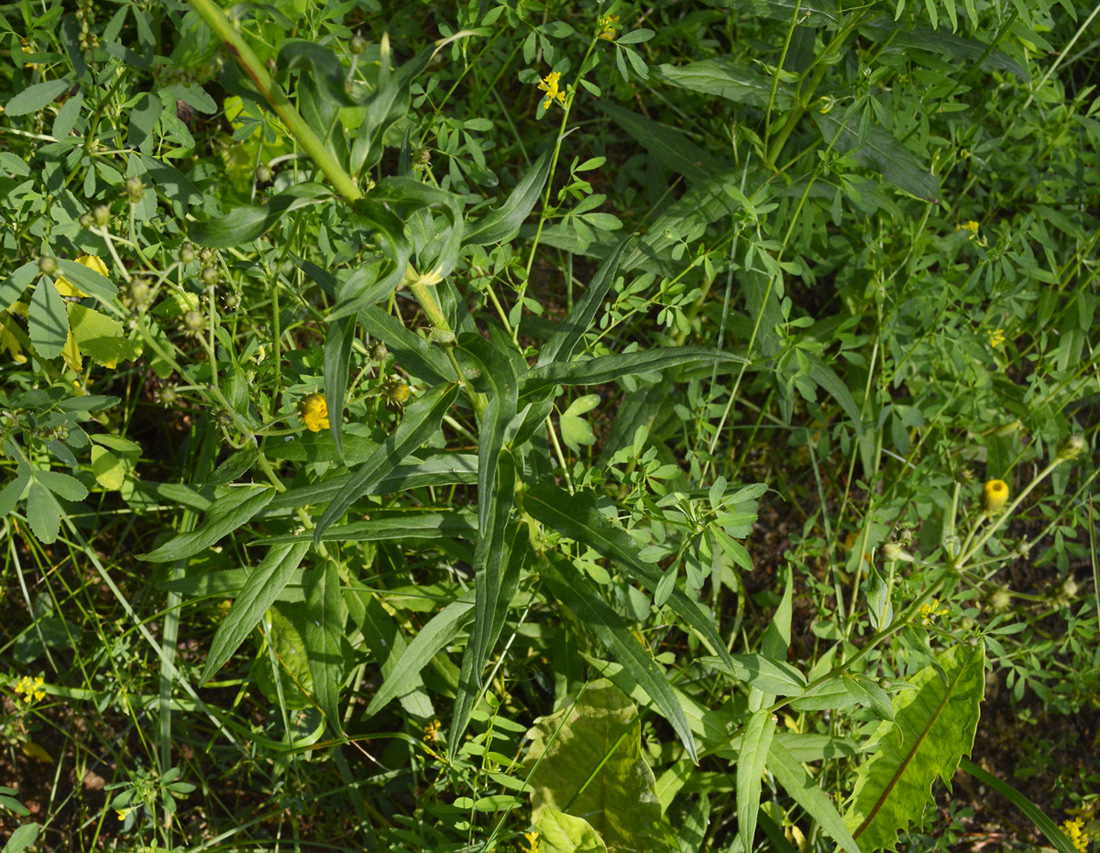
[
  {"x": 314, "y": 411},
  {"x": 995, "y": 495}
]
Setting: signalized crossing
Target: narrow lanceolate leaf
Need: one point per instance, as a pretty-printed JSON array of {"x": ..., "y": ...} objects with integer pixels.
[
  {"x": 669, "y": 147},
  {"x": 421, "y": 419},
  {"x": 428, "y": 642},
  {"x": 424, "y": 361},
  {"x": 35, "y": 97},
  {"x": 763, "y": 673},
  {"x": 806, "y": 792},
  {"x": 569, "y": 587},
  {"x": 338, "y": 341},
  {"x": 564, "y": 341},
  {"x": 751, "y": 762},
  {"x": 723, "y": 78},
  {"x": 324, "y": 628},
  {"x": 577, "y": 517},
  {"x": 608, "y": 368},
  {"x": 503, "y": 223},
  {"x": 882, "y": 153},
  {"x": 247, "y": 223},
  {"x": 933, "y": 729},
  {"x": 226, "y": 514},
  {"x": 260, "y": 590}
]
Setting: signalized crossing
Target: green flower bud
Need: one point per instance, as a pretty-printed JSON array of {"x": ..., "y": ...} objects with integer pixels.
[
  {"x": 1071, "y": 447},
  {"x": 357, "y": 45},
  {"x": 135, "y": 190},
  {"x": 187, "y": 253},
  {"x": 102, "y": 215},
  {"x": 47, "y": 265}
]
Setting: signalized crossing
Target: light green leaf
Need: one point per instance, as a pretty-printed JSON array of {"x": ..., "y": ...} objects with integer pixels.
[
  {"x": 751, "y": 762},
  {"x": 43, "y": 513},
  {"x": 18, "y": 281},
  {"x": 589, "y": 762},
  {"x": 101, "y": 338},
  {"x": 247, "y": 223},
  {"x": 62, "y": 485},
  {"x": 765, "y": 674},
  {"x": 934, "y": 727},
  {"x": 562, "y": 833},
  {"x": 805, "y": 791},
  {"x": 259, "y": 592},
  {"x": 22, "y": 838}
]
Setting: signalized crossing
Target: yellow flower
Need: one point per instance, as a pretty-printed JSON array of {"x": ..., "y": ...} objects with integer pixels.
[
  {"x": 995, "y": 495},
  {"x": 431, "y": 732},
  {"x": 314, "y": 411},
  {"x": 550, "y": 86},
  {"x": 67, "y": 288},
  {"x": 996, "y": 337},
  {"x": 1075, "y": 831},
  {"x": 123, "y": 813},
  {"x": 930, "y": 611},
  {"x": 607, "y": 24},
  {"x": 532, "y": 842},
  {"x": 970, "y": 226},
  {"x": 30, "y": 688}
]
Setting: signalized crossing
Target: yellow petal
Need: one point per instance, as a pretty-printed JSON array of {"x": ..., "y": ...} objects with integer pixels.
[{"x": 38, "y": 753}]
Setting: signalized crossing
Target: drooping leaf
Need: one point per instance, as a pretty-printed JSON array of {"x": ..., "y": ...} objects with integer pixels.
[
  {"x": 224, "y": 516},
  {"x": 724, "y": 79},
  {"x": 563, "y": 833},
  {"x": 805, "y": 791},
  {"x": 247, "y": 223},
  {"x": 569, "y": 587},
  {"x": 933, "y": 729},
  {"x": 590, "y": 763},
  {"x": 879, "y": 151},
  {"x": 264, "y": 584},
  {"x": 608, "y": 368},
  {"x": 669, "y": 147},
  {"x": 502, "y": 224},
  {"x": 421, "y": 419}
]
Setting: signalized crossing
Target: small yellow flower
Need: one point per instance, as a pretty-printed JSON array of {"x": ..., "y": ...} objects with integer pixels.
[
  {"x": 532, "y": 842},
  {"x": 827, "y": 103},
  {"x": 30, "y": 688},
  {"x": 996, "y": 337},
  {"x": 607, "y": 24},
  {"x": 995, "y": 495},
  {"x": 1075, "y": 831},
  {"x": 314, "y": 411},
  {"x": 431, "y": 732},
  {"x": 549, "y": 85},
  {"x": 931, "y": 610},
  {"x": 123, "y": 813},
  {"x": 970, "y": 226},
  {"x": 67, "y": 288}
]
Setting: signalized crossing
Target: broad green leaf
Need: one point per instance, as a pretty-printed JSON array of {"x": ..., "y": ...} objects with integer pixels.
[
  {"x": 338, "y": 341},
  {"x": 43, "y": 513},
  {"x": 575, "y": 430},
  {"x": 669, "y": 147},
  {"x": 62, "y": 485},
  {"x": 259, "y": 592},
  {"x": 15, "y": 283},
  {"x": 833, "y": 694},
  {"x": 723, "y": 78},
  {"x": 577, "y": 517},
  {"x": 323, "y": 631},
  {"x": 289, "y": 681},
  {"x": 421, "y": 419},
  {"x": 47, "y": 320},
  {"x": 1044, "y": 824},
  {"x": 563, "y": 833},
  {"x": 608, "y": 368},
  {"x": 36, "y": 97},
  {"x": 428, "y": 642},
  {"x": 882, "y": 153},
  {"x": 933, "y": 728},
  {"x": 565, "y": 339},
  {"x": 101, "y": 338},
  {"x": 308, "y": 446},
  {"x": 805, "y": 791},
  {"x": 586, "y": 759},
  {"x": 23, "y": 837},
  {"x": 12, "y": 493},
  {"x": 502, "y": 224},
  {"x": 572, "y": 590},
  {"x": 751, "y": 762},
  {"x": 224, "y": 516}
]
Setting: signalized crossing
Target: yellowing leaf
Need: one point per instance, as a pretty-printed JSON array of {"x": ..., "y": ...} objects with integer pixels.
[
  {"x": 101, "y": 338},
  {"x": 71, "y": 353},
  {"x": 67, "y": 288},
  {"x": 12, "y": 339},
  {"x": 109, "y": 470},
  {"x": 38, "y": 753}
]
